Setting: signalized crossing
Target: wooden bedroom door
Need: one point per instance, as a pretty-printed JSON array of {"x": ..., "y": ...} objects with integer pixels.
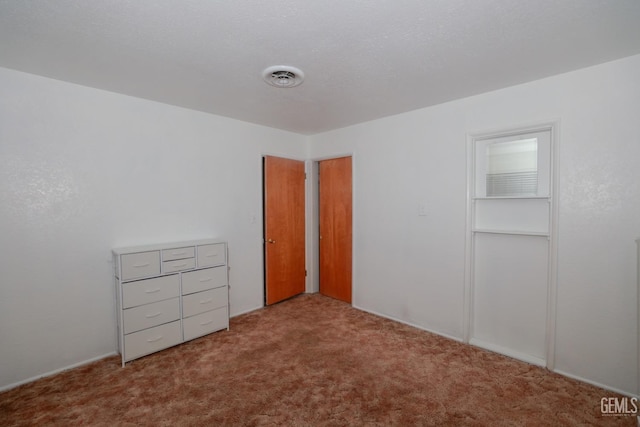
[
  {"x": 284, "y": 228},
  {"x": 335, "y": 217}
]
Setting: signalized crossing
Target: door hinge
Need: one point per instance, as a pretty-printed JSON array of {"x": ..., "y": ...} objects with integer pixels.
[{"x": 305, "y": 273}]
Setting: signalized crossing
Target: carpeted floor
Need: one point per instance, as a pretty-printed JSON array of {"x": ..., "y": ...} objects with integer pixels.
[{"x": 310, "y": 361}]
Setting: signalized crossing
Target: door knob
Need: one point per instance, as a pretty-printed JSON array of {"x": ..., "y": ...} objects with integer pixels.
[{"x": 270, "y": 241}]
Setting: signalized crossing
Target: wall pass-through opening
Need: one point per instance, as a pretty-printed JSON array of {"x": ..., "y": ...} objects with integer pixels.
[{"x": 510, "y": 289}]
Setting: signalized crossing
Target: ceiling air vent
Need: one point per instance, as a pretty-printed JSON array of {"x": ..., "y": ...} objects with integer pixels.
[{"x": 283, "y": 76}]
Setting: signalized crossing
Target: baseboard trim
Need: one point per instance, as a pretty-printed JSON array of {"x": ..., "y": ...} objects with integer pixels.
[
  {"x": 251, "y": 310},
  {"x": 56, "y": 371},
  {"x": 595, "y": 383},
  {"x": 475, "y": 343},
  {"x": 508, "y": 352},
  {"x": 451, "y": 337}
]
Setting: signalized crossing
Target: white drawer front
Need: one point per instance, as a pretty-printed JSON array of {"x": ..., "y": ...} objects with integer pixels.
[
  {"x": 178, "y": 265},
  {"x": 146, "y": 316},
  {"x": 204, "y": 301},
  {"x": 178, "y": 253},
  {"x": 151, "y": 340},
  {"x": 143, "y": 264},
  {"x": 210, "y": 255},
  {"x": 201, "y": 280},
  {"x": 150, "y": 290},
  {"x": 202, "y": 324}
]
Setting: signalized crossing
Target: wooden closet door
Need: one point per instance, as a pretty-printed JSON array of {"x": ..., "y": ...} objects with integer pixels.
[
  {"x": 284, "y": 228},
  {"x": 335, "y": 203}
]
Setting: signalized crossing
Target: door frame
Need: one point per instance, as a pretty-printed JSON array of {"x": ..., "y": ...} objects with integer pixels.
[
  {"x": 553, "y": 126},
  {"x": 313, "y": 221}
]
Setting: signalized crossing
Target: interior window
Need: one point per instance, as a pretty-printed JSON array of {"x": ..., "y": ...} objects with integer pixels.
[{"x": 512, "y": 168}]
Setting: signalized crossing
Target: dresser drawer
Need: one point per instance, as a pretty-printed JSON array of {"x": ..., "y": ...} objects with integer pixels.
[
  {"x": 178, "y": 253},
  {"x": 202, "y": 324},
  {"x": 150, "y": 290},
  {"x": 142, "y": 264},
  {"x": 151, "y": 340},
  {"x": 210, "y": 255},
  {"x": 178, "y": 265},
  {"x": 201, "y": 280},
  {"x": 149, "y": 315},
  {"x": 204, "y": 301}
]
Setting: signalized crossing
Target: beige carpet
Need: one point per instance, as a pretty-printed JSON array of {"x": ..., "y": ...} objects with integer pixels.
[{"x": 310, "y": 361}]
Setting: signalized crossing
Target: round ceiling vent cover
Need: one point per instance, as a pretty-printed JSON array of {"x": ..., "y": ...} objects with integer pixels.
[{"x": 283, "y": 76}]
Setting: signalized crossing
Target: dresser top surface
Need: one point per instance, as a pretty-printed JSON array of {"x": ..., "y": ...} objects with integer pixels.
[{"x": 161, "y": 246}]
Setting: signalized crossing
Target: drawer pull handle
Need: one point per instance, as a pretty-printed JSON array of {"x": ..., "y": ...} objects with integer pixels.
[
  {"x": 180, "y": 265},
  {"x": 206, "y": 323},
  {"x": 211, "y": 255},
  {"x": 206, "y": 279},
  {"x": 146, "y": 264},
  {"x": 206, "y": 301},
  {"x": 178, "y": 253},
  {"x": 152, "y": 291},
  {"x": 155, "y": 339},
  {"x": 149, "y": 316}
]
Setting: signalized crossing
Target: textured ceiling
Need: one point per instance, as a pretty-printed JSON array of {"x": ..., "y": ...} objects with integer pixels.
[{"x": 363, "y": 59}]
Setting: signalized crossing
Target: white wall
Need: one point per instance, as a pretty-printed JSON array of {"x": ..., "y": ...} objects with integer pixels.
[
  {"x": 82, "y": 171},
  {"x": 411, "y": 267}
]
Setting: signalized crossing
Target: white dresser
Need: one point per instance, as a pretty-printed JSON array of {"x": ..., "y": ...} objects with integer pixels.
[{"x": 168, "y": 294}]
